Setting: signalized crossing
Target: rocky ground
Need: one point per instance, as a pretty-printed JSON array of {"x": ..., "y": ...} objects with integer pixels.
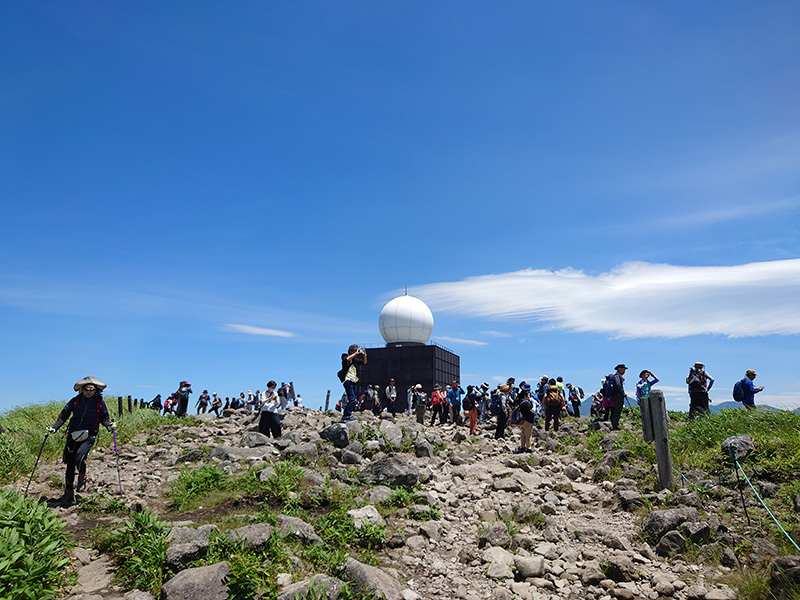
[{"x": 531, "y": 526}]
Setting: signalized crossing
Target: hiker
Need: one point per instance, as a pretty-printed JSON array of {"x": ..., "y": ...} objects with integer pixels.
[
  {"x": 617, "y": 393},
  {"x": 700, "y": 384},
  {"x": 391, "y": 397},
  {"x": 86, "y": 412},
  {"x": 349, "y": 376},
  {"x": 202, "y": 402},
  {"x": 575, "y": 400},
  {"x": 553, "y": 402},
  {"x": 216, "y": 403},
  {"x": 420, "y": 403},
  {"x": 155, "y": 403},
  {"x": 470, "y": 405},
  {"x": 454, "y": 398},
  {"x": 526, "y": 424},
  {"x": 269, "y": 421},
  {"x": 750, "y": 390},
  {"x": 499, "y": 408},
  {"x": 437, "y": 405},
  {"x": 644, "y": 385},
  {"x": 184, "y": 389}
]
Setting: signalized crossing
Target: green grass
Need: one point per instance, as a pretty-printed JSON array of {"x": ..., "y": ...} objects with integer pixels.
[
  {"x": 33, "y": 549},
  {"x": 139, "y": 550},
  {"x": 195, "y": 484},
  {"x": 25, "y": 430}
]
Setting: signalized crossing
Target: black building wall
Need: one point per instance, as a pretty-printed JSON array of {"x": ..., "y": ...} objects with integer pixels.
[{"x": 410, "y": 364}]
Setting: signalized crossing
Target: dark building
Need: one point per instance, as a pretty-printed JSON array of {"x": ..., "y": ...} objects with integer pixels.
[{"x": 408, "y": 364}]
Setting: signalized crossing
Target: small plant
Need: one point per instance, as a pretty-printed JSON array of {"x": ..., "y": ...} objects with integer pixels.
[
  {"x": 33, "y": 548},
  {"x": 193, "y": 484}
]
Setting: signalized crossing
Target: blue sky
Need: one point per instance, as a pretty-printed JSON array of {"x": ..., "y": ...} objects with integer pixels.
[{"x": 229, "y": 193}]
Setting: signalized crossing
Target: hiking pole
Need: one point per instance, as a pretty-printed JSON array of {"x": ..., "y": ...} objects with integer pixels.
[
  {"x": 119, "y": 477},
  {"x": 732, "y": 453},
  {"x": 36, "y": 464}
]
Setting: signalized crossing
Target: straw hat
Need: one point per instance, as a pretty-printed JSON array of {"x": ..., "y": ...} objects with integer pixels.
[{"x": 89, "y": 380}]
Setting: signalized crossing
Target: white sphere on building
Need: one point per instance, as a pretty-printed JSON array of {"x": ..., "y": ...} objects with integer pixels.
[{"x": 406, "y": 319}]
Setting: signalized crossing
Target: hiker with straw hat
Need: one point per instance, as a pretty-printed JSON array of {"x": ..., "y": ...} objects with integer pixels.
[{"x": 86, "y": 412}]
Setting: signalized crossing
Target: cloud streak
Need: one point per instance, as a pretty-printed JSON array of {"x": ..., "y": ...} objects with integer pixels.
[
  {"x": 635, "y": 300},
  {"x": 252, "y": 330},
  {"x": 456, "y": 340}
]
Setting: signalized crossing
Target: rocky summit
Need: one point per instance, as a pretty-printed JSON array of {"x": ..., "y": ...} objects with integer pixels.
[{"x": 486, "y": 523}]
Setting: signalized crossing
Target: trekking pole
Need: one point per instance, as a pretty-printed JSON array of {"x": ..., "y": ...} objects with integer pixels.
[
  {"x": 36, "y": 464},
  {"x": 119, "y": 477},
  {"x": 732, "y": 453}
]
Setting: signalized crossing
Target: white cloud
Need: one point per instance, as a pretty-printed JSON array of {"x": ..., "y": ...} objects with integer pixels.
[
  {"x": 251, "y": 330},
  {"x": 635, "y": 300},
  {"x": 455, "y": 340},
  {"x": 497, "y": 334}
]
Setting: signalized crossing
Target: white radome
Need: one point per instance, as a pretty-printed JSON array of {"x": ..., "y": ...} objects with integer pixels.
[{"x": 406, "y": 319}]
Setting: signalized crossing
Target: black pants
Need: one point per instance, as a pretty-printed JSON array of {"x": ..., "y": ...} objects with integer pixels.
[
  {"x": 437, "y": 410},
  {"x": 502, "y": 419},
  {"x": 270, "y": 422},
  {"x": 552, "y": 412},
  {"x": 616, "y": 411},
  {"x": 698, "y": 403},
  {"x": 576, "y": 409},
  {"x": 75, "y": 454}
]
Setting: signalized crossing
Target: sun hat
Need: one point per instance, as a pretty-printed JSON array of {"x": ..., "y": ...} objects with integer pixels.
[
  {"x": 699, "y": 363},
  {"x": 750, "y": 371},
  {"x": 87, "y": 381},
  {"x": 620, "y": 366}
]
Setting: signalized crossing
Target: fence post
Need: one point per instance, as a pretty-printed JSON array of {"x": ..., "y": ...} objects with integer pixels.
[
  {"x": 119, "y": 405},
  {"x": 327, "y": 400},
  {"x": 647, "y": 420},
  {"x": 658, "y": 417},
  {"x": 130, "y": 405}
]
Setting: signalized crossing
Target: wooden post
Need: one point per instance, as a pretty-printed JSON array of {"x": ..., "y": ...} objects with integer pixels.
[
  {"x": 119, "y": 405},
  {"x": 130, "y": 405},
  {"x": 327, "y": 400},
  {"x": 658, "y": 416},
  {"x": 135, "y": 402},
  {"x": 647, "y": 420}
]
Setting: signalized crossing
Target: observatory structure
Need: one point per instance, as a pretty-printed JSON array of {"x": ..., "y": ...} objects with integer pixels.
[{"x": 406, "y": 324}]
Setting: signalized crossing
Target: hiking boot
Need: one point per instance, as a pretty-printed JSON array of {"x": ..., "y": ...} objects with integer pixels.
[
  {"x": 68, "y": 499},
  {"x": 81, "y": 483}
]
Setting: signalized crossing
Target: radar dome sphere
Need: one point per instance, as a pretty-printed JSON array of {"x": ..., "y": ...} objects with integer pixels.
[{"x": 406, "y": 319}]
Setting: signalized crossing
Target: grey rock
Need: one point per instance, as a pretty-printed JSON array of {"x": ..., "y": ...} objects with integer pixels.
[
  {"x": 161, "y": 454},
  {"x": 740, "y": 445},
  {"x": 391, "y": 433},
  {"x": 697, "y": 531},
  {"x": 723, "y": 593},
  {"x": 139, "y": 595},
  {"x": 368, "y": 578},
  {"x": 313, "y": 585},
  {"x": 379, "y": 494},
  {"x": 298, "y": 529},
  {"x": 592, "y": 575},
  {"x": 236, "y": 454},
  {"x": 529, "y": 566},
  {"x": 630, "y": 499},
  {"x": 670, "y": 543},
  {"x": 572, "y": 472},
  {"x": 366, "y": 515},
  {"x": 256, "y": 537},
  {"x": 337, "y": 434},
  {"x": 620, "y": 568},
  {"x": 728, "y": 558},
  {"x": 423, "y": 449},
  {"x": 350, "y": 458},
  {"x": 431, "y": 529},
  {"x": 499, "y": 571},
  {"x": 183, "y": 535},
  {"x": 201, "y": 583},
  {"x": 307, "y": 451},
  {"x": 496, "y": 535},
  {"x": 762, "y": 551},
  {"x": 265, "y": 474},
  {"x": 194, "y": 455},
  {"x": 356, "y": 447},
  {"x": 614, "y": 457},
  {"x": 785, "y": 572},
  {"x": 695, "y": 592},
  {"x": 495, "y": 554},
  {"x": 252, "y": 439},
  {"x": 393, "y": 470},
  {"x": 658, "y": 522},
  {"x": 179, "y": 556}
]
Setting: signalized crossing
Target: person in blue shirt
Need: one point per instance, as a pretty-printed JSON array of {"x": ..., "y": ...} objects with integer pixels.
[
  {"x": 454, "y": 398},
  {"x": 86, "y": 412},
  {"x": 750, "y": 390}
]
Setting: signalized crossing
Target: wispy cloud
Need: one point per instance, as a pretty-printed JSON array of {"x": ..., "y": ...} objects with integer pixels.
[
  {"x": 496, "y": 334},
  {"x": 455, "y": 340},
  {"x": 252, "y": 330},
  {"x": 636, "y": 300}
]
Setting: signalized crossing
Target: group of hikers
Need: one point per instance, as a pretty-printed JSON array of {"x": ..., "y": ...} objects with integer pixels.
[
  {"x": 177, "y": 403},
  {"x": 508, "y": 403}
]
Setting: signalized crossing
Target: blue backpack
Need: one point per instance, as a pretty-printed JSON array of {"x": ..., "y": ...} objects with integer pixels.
[
  {"x": 608, "y": 386},
  {"x": 496, "y": 405},
  {"x": 738, "y": 391}
]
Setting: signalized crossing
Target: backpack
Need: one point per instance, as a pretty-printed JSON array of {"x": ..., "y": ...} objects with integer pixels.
[
  {"x": 608, "y": 386},
  {"x": 516, "y": 416},
  {"x": 469, "y": 402},
  {"x": 496, "y": 404},
  {"x": 553, "y": 398},
  {"x": 738, "y": 391}
]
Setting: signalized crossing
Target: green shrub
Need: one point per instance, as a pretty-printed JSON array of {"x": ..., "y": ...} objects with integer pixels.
[
  {"x": 193, "y": 484},
  {"x": 33, "y": 547}
]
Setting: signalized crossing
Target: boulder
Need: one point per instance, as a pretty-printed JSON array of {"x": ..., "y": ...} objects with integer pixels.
[
  {"x": 297, "y": 529},
  {"x": 367, "y": 578},
  {"x": 366, "y": 514},
  {"x": 785, "y": 572},
  {"x": 179, "y": 556},
  {"x": 496, "y": 535},
  {"x": 740, "y": 445},
  {"x": 391, "y": 433},
  {"x": 423, "y": 449},
  {"x": 194, "y": 455},
  {"x": 256, "y": 537},
  {"x": 671, "y": 542},
  {"x": 337, "y": 434},
  {"x": 252, "y": 439},
  {"x": 183, "y": 535},
  {"x": 307, "y": 451},
  {"x": 659, "y": 522},
  {"x": 393, "y": 470},
  {"x": 200, "y": 583},
  {"x": 529, "y": 566},
  {"x": 313, "y": 587}
]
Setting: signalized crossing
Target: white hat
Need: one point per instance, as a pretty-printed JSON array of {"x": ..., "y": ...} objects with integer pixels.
[{"x": 89, "y": 380}]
